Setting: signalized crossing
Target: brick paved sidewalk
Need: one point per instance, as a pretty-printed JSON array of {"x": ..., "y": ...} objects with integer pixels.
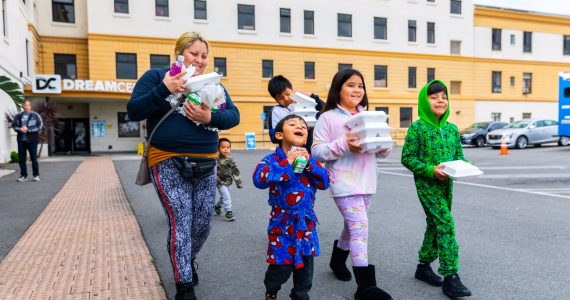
[{"x": 86, "y": 244}]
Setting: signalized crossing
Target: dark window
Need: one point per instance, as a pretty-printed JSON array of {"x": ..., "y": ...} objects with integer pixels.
[
  {"x": 63, "y": 11},
  {"x": 496, "y": 39},
  {"x": 527, "y": 83},
  {"x": 200, "y": 12},
  {"x": 496, "y": 82},
  {"x": 128, "y": 128},
  {"x": 285, "y": 20},
  {"x": 267, "y": 68},
  {"x": 309, "y": 16},
  {"x": 567, "y": 92},
  {"x": 381, "y": 76},
  {"x": 405, "y": 117},
  {"x": 527, "y": 115},
  {"x": 513, "y": 39},
  {"x": 412, "y": 83},
  {"x": 495, "y": 116},
  {"x": 122, "y": 6},
  {"x": 431, "y": 33},
  {"x": 455, "y": 47},
  {"x": 161, "y": 8},
  {"x": 527, "y": 41},
  {"x": 566, "y": 44},
  {"x": 65, "y": 65},
  {"x": 126, "y": 65},
  {"x": 344, "y": 66},
  {"x": 4, "y": 18},
  {"x": 246, "y": 17},
  {"x": 430, "y": 74},
  {"x": 158, "y": 61},
  {"x": 456, "y": 7},
  {"x": 220, "y": 66},
  {"x": 412, "y": 27},
  {"x": 344, "y": 25},
  {"x": 380, "y": 28},
  {"x": 267, "y": 111},
  {"x": 309, "y": 70},
  {"x": 27, "y": 57},
  {"x": 512, "y": 80}
]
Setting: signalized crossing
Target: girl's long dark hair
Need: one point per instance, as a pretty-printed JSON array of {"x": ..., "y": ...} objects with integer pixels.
[{"x": 333, "y": 99}]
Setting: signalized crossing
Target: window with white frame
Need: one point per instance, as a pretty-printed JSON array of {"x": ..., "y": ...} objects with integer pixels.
[
  {"x": 161, "y": 8},
  {"x": 496, "y": 81},
  {"x": 63, "y": 11},
  {"x": 309, "y": 22},
  {"x": 344, "y": 25},
  {"x": 200, "y": 10},
  {"x": 455, "y": 47},
  {"x": 380, "y": 76},
  {"x": 412, "y": 28},
  {"x": 380, "y": 28},
  {"x": 496, "y": 39},
  {"x": 285, "y": 20},
  {"x": 431, "y": 33},
  {"x": 455, "y": 7},
  {"x": 246, "y": 17},
  {"x": 121, "y": 6},
  {"x": 527, "y": 83}
]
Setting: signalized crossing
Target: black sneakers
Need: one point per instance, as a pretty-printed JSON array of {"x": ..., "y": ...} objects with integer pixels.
[
  {"x": 453, "y": 288},
  {"x": 426, "y": 274}
]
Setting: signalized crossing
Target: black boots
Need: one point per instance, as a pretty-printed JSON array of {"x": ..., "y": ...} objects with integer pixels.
[
  {"x": 194, "y": 266},
  {"x": 426, "y": 274},
  {"x": 453, "y": 288},
  {"x": 338, "y": 263},
  {"x": 366, "y": 280},
  {"x": 185, "y": 291}
]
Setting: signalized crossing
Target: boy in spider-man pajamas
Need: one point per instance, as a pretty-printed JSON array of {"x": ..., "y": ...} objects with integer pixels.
[{"x": 292, "y": 232}]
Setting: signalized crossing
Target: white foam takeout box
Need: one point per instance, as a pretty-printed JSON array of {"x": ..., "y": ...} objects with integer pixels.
[
  {"x": 196, "y": 83},
  {"x": 371, "y": 130},
  {"x": 365, "y": 117},
  {"x": 303, "y": 99},
  {"x": 458, "y": 169},
  {"x": 375, "y": 144},
  {"x": 311, "y": 121}
]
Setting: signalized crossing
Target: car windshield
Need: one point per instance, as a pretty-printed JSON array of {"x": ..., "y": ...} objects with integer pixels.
[
  {"x": 476, "y": 126},
  {"x": 519, "y": 124}
]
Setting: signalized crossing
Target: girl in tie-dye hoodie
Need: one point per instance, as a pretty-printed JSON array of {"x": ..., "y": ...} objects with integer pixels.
[{"x": 353, "y": 179}]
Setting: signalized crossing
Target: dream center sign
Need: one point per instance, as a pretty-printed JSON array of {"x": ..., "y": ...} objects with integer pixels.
[{"x": 53, "y": 84}]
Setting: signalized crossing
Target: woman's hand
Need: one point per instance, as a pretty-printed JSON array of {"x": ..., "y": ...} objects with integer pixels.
[
  {"x": 174, "y": 84},
  {"x": 352, "y": 142},
  {"x": 438, "y": 173},
  {"x": 196, "y": 113}
]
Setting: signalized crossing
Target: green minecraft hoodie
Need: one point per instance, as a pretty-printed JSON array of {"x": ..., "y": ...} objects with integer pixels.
[{"x": 428, "y": 144}]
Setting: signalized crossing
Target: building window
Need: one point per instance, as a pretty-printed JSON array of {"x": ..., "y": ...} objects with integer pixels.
[
  {"x": 65, "y": 65},
  {"x": 220, "y": 66},
  {"x": 496, "y": 39},
  {"x": 412, "y": 82},
  {"x": 344, "y": 25},
  {"x": 527, "y": 83},
  {"x": 128, "y": 128},
  {"x": 267, "y": 111},
  {"x": 431, "y": 33},
  {"x": 381, "y": 76},
  {"x": 455, "y": 47},
  {"x": 4, "y": 19},
  {"x": 512, "y": 80},
  {"x": 126, "y": 64},
  {"x": 309, "y": 17},
  {"x": 246, "y": 17},
  {"x": 430, "y": 1},
  {"x": 496, "y": 116},
  {"x": 159, "y": 61},
  {"x": 412, "y": 27},
  {"x": 200, "y": 11},
  {"x": 344, "y": 66},
  {"x": 455, "y": 88},
  {"x": 405, "y": 117},
  {"x": 496, "y": 82},
  {"x": 309, "y": 70},
  {"x": 161, "y": 8},
  {"x": 380, "y": 28},
  {"x": 121, "y": 6},
  {"x": 566, "y": 44},
  {"x": 27, "y": 57},
  {"x": 285, "y": 20},
  {"x": 267, "y": 68},
  {"x": 527, "y": 41},
  {"x": 430, "y": 74},
  {"x": 456, "y": 7},
  {"x": 63, "y": 11},
  {"x": 513, "y": 39},
  {"x": 526, "y": 115}
]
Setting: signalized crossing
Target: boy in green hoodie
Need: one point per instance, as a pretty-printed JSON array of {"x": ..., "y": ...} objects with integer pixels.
[{"x": 430, "y": 141}]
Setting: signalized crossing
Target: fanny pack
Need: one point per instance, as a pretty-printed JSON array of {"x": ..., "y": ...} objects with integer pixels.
[{"x": 194, "y": 167}]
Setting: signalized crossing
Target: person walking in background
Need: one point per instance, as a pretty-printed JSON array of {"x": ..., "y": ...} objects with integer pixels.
[
  {"x": 28, "y": 125},
  {"x": 227, "y": 173}
]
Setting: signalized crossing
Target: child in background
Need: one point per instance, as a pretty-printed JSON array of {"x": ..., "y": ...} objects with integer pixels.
[
  {"x": 227, "y": 173},
  {"x": 292, "y": 230},
  {"x": 353, "y": 179},
  {"x": 430, "y": 141}
]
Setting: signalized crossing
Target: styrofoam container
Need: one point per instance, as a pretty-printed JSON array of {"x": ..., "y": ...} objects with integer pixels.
[
  {"x": 365, "y": 117},
  {"x": 458, "y": 168},
  {"x": 196, "y": 83},
  {"x": 375, "y": 144},
  {"x": 302, "y": 106},
  {"x": 302, "y": 98},
  {"x": 311, "y": 121},
  {"x": 371, "y": 130}
]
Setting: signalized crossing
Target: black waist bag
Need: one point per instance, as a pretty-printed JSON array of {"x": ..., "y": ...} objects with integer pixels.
[{"x": 194, "y": 167}]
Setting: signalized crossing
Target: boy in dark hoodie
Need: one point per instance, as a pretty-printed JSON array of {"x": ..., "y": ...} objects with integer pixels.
[{"x": 430, "y": 141}]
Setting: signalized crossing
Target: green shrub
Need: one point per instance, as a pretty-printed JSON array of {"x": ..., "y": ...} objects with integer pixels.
[{"x": 14, "y": 157}]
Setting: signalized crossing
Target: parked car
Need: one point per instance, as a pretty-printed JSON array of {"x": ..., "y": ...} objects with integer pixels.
[
  {"x": 526, "y": 132},
  {"x": 476, "y": 134}
]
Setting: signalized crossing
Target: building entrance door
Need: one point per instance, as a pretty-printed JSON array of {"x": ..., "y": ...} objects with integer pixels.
[{"x": 72, "y": 136}]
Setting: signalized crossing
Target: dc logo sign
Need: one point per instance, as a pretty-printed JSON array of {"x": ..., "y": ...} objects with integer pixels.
[{"x": 46, "y": 84}]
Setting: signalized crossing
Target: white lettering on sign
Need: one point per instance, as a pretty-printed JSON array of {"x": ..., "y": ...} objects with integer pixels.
[
  {"x": 565, "y": 107},
  {"x": 97, "y": 86}
]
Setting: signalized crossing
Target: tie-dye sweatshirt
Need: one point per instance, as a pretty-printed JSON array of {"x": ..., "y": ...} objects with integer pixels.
[{"x": 350, "y": 173}]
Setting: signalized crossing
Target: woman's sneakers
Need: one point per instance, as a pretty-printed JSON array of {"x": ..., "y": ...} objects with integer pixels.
[
  {"x": 366, "y": 280},
  {"x": 427, "y": 275},
  {"x": 338, "y": 263},
  {"x": 453, "y": 288}
]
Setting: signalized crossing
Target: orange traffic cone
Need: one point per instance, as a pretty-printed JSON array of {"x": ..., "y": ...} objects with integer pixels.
[{"x": 504, "y": 147}]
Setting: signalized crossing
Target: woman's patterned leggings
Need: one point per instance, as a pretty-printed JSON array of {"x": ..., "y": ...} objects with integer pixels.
[
  {"x": 189, "y": 205},
  {"x": 354, "y": 234}
]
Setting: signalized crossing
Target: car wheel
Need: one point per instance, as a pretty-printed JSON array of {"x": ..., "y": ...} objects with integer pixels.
[
  {"x": 480, "y": 141},
  {"x": 564, "y": 141},
  {"x": 522, "y": 142}
]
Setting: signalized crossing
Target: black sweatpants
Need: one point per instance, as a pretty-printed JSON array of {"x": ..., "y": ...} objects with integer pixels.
[{"x": 277, "y": 275}]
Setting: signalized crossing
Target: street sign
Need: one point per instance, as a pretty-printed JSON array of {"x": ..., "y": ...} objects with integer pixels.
[{"x": 46, "y": 84}]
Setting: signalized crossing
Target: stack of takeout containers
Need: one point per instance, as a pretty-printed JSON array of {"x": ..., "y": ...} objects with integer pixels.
[
  {"x": 304, "y": 107},
  {"x": 371, "y": 129}
]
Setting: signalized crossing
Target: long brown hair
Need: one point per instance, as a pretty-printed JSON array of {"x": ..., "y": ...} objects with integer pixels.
[{"x": 333, "y": 99}]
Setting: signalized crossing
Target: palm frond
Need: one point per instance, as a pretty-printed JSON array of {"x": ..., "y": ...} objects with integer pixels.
[{"x": 13, "y": 90}]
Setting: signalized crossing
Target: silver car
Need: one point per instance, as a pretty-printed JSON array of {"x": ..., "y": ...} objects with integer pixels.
[{"x": 525, "y": 132}]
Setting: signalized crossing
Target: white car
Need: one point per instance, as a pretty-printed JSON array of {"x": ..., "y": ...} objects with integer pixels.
[{"x": 526, "y": 132}]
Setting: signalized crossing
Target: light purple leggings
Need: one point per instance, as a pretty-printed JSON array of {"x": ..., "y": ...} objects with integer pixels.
[{"x": 354, "y": 234}]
